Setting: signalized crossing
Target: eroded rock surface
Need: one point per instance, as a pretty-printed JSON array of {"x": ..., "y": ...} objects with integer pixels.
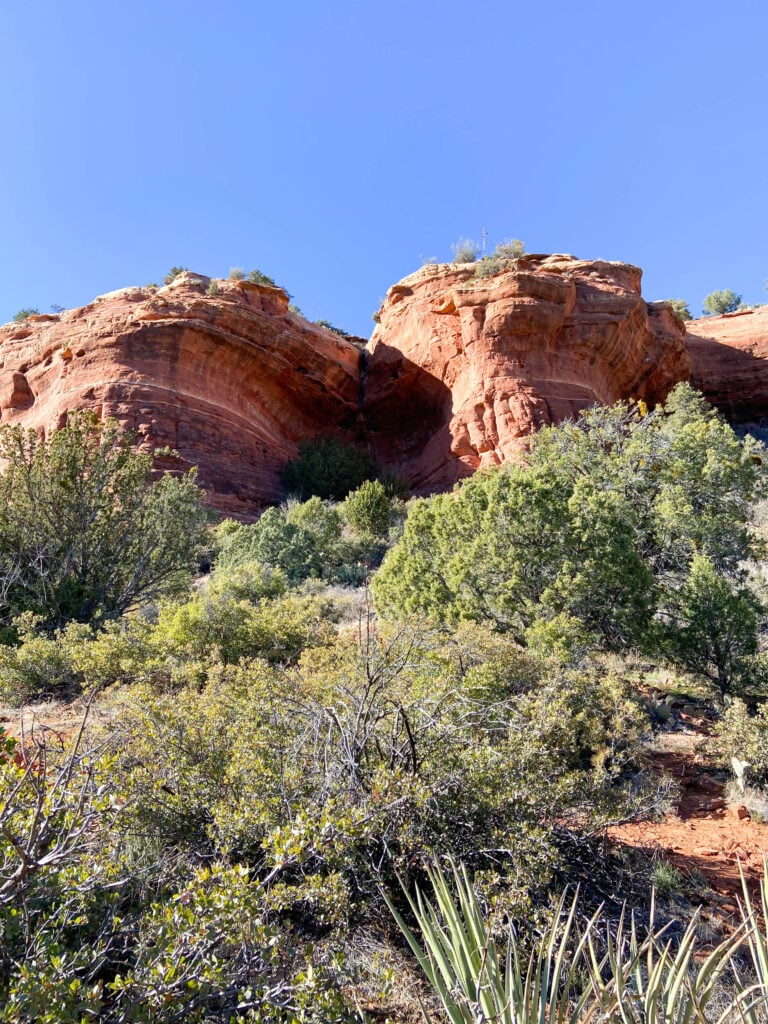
[
  {"x": 730, "y": 362},
  {"x": 462, "y": 368},
  {"x": 230, "y": 381}
]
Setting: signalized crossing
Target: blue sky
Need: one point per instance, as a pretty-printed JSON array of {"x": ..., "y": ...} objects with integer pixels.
[{"x": 337, "y": 145}]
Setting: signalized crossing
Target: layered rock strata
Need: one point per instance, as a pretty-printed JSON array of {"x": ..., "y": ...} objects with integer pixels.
[
  {"x": 463, "y": 367},
  {"x": 230, "y": 381},
  {"x": 730, "y": 363}
]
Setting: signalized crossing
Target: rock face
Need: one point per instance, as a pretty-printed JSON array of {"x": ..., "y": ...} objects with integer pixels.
[
  {"x": 461, "y": 367},
  {"x": 730, "y": 362},
  {"x": 460, "y": 370},
  {"x": 230, "y": 381}
]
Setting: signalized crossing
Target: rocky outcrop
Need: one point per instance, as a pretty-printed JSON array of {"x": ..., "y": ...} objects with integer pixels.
[
  {"x": 231, "y": 381},
  {"x": 463, "y": 367},
  {"x": 465, "y": 363},
  {"x": 730, "y": 362}
]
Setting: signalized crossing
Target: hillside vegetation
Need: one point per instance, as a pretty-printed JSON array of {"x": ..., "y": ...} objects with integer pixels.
[{"x": 278, "y": 764}]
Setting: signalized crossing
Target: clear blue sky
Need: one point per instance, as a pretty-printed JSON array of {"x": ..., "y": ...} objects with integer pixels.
[{"x": 336, "y": 145}]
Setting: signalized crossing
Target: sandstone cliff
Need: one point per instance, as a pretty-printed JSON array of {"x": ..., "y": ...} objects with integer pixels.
[
  {"x": 730, "y": 362},
  {"x": 463, "y": 367},
  {"x": 231, "y": 381}
]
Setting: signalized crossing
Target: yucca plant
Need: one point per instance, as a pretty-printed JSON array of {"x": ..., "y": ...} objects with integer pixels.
[
  {"x": 657, "y": 980},
  {"x": 474, "y": 983},
  {"x": 752, "y": 1002},
  {"x": 573, "y": 978}
]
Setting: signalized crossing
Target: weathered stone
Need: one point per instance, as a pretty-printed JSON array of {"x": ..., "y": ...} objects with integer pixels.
[
  {"x": 730, "y": 362},
  {"x": 463, "y": 368},
  {"x": 230, "y": 381}
]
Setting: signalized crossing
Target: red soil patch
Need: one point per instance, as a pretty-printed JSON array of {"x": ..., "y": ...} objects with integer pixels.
[{"x": 703, "y": 836}]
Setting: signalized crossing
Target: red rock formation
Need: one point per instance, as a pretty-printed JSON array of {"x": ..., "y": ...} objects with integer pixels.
[
  {"x": 459, "y": 371},
  {"x": 461, "y": 367},
  {"x": 231, "y": 381},
  {"x": 730, "y": 362}
]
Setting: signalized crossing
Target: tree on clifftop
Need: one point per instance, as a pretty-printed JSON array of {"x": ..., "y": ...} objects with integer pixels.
[
  {"x": 724, "y": 301},
  {"x": 84, "y": 531}
]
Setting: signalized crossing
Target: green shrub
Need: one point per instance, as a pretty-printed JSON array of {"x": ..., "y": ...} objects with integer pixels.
[
  {"x": 680, "y": 307},
  {"x": 724, "y": 301},
  {"x": 213, "y": 287},
  {"x": 236, "y": 274},
  {"x": 257, "y": 277},
  {"x": 465, "y": 251},
  {"x": 328, "y": 468},
  {"x": 75, "y": 658},
  {"x": 173, "y": 273},
  {"x": 631, "y": 526},
  {"x": 744, "y": 735},
  {"x": 330, "y": 327},
  {"x": 85, "y": 532},
  {"x": 510, "y": 249},
  {"x": 367, "y": 510},
  {"x": 217, "y": 624},
  {"x": 24, "y": 314}
]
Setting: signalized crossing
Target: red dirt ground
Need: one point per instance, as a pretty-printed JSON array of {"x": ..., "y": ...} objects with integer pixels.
[{"x": 703, "y": 836}]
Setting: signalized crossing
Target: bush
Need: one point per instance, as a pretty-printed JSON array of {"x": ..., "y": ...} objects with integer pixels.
[
  {"x": 510, "y": 249},
  {"x": 173, "y": 273},
  {"x": 725, "y": 301},
  {"x": 465, "y": 251},
  {"x": 742, "y": 735},
  {"x": 257, "y": 277},
  {"x": 630, "y": 526},
  {"x": 85, "y": 533},
  {"x": 680, "y": 307},
  {"x": 236, "y": 274},
  {"x": 367, "y": 510},
  {"x": 24, "y": 314},
  {"x": 328, "y": 468},
  {"x": 330, "y": 327}
]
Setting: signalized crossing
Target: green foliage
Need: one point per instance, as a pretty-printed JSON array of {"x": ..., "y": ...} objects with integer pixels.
[
  {"x": 328, "y": 468},
  {"x": 465, "y": 251},
  {"x": 638, "y": 980},
  {"x": 236, "y": 274},
  {"x": 85, "y": 533},
  {"x": 173, "y": 273},
  {"x": 367, "y": 510},
  {"x": 680, "y": 307},
  {"x": 375, "y": 749},
  {"x": 331, "y": 327},
  {"x": 510, "y": 249},
  {"x": 257, "y": 277},
  {"x": 215, "y": 623},
  {"x": 633, "y": 525},
  {"x": 25, "y": 314},
  {"x": 301, "y": 541},
  {"x": 213, "y": 288},
  {"x": 666, "y": 878},
  {"x": 710, "y": 624},
  {"x": 723, "y": 301},
  {"x": 744, "y": 735}
]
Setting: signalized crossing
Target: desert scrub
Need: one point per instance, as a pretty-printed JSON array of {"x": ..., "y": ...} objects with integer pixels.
[
  {"x": 744, "y": 735},
  {"x": 24, "y": 314},
  {"x": 328, "y": 468}
]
